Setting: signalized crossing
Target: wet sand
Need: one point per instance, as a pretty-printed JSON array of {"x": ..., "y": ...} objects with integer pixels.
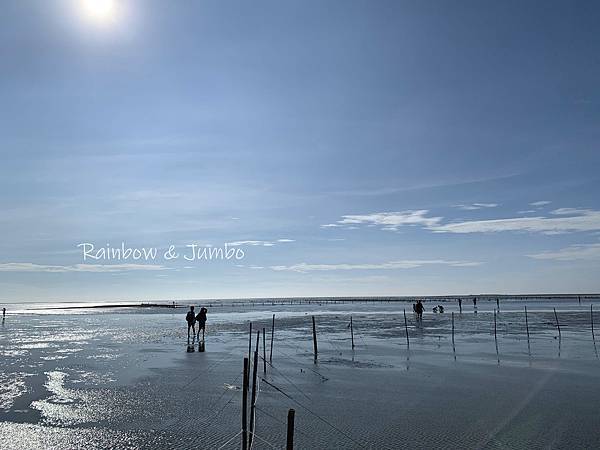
[{"x": 122, "y": 378}]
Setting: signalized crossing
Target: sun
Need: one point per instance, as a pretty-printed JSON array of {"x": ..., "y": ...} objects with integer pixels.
[{"x": 100, "y": 10}]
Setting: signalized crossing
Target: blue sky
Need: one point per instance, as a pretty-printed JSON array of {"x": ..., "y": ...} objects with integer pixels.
[{"x": 350, "y": 148}]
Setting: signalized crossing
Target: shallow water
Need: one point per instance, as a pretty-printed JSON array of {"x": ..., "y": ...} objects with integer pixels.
[{"x": 121, "y": 378}]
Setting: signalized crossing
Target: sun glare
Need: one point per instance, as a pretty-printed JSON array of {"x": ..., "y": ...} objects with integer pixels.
[{"x": 99, "y": 10}]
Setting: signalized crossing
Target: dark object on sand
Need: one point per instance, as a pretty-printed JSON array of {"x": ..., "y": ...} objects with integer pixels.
[{"x": 290, "y": 430}]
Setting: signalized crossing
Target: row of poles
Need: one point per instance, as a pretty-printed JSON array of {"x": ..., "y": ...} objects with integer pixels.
[
  {"x": 315, "y": 343},
  {"x": 248, "y": 433},
  {"x": 526, "y": 328},
  {"x": 249, "y": 425}
]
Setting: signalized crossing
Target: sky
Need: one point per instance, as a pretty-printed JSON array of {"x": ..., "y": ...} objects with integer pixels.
[{"x": 347, "y": 148}]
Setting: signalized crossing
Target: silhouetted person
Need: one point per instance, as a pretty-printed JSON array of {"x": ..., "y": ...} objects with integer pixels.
[
  {"x": 419, "y": 309},
  {"x": 460, "y": 305},
  {"x": 201, "y": 319},
  {"x": 441, "y": 309},
  {"x": 191, "y": 321},
  {"x": 3, "y": 313},
  {"x": 498, "y": 304},
  {"x": 475, "y": 304}
]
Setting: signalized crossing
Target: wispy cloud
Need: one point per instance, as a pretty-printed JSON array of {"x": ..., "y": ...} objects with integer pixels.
[
  {"x": 540, "y": 203},
  {"x": 475, "y": 206},
  {"x": 570, "y": 220},
  {"x": 259, "y": 243},
  {"x": 588, "y": 252},
  {"x": 560, "y": 221},
  {"x": 99, "y": 268},
  {"x": 388, "y": 220},
  {"x": 403, "y": 264}
]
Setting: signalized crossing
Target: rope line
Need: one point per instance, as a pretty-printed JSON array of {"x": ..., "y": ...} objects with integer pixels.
[
  {"x": 323, "y": 377},
  {"x": 284, "y": 423},
  {"x": 261, "y": 439},
  {"x": 231, "y": 439},
  {"x": 325, "y": 421},
  {"x": 288, "y": 380}
]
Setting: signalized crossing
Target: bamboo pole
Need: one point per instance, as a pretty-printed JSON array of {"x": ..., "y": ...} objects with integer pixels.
[
  {"x": 593, "y": 335},
  {"x": 557, "y": 323},
  {"x": 250, "y": 342},
  {"x": 527, "y": 328},
  {"x": 453, "y": 345},
  {"x": 290, "y": 430},
  {"x": 264, "y": 351},
  {"x": 253, "y": 401},
  {"x": 272, "y": 335},
  {"x": 406, "y": 329},
  {"x": 249, "y": 355},
  {"x": 352, "y": 332},
  {"x": 496, "y": 338},
  {"x": 245, "y": 407},
  {"x": 314, "y": 327}
]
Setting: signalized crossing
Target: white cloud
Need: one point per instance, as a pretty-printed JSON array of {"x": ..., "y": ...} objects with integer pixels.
[
  {"x": 31, "y": 267},
  {"x": 560, "y": 221},
  {"x": 475, "y": 206},
  {"x": 540, "y": 203},
  {"x": 404, "y": 264},
  {"x": 388, "y": 220},
  {"x": 259, "y": 243},
  {"x": 588, "y": 252},
  {"x": 578, "y": 220}
]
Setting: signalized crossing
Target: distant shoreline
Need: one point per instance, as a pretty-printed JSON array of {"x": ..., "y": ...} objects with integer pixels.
[{"x": 178, "y": 304}]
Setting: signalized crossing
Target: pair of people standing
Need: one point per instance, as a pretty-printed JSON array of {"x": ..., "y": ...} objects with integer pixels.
[{"x": 192, "y": 318}]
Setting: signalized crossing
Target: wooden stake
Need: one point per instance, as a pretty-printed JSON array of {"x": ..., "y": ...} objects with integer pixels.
[
  {"x": 290, "y": 430},
  {"x": 557, "y": 323},
  {"x": 593, "y": 335},
  {"x": 527, "y": 328},
  {"x": 264, "y": 351},
  {"x": 406, "y": 329},
  {"x": 249, "y": 355},
  {"x": 253, "y": 401},
  {"x": 453, "y": 346},
  {"x": 495, "y": 336},
  {"x": 352, "y": 332},
  {"x": 245, "y": 407},
  {"x": 257, "y": 340},
  {"x": 272, "y": 335},
  {"x": 250, "y": 342},
  {"x": 314, "y": 337}
]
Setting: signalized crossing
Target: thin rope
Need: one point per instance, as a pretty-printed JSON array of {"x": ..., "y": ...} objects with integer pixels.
[
  {"x": 225, "y": 444},
  {"x": 288, "y": 380},
  {"x": 284, "y": 423},
  {"x": 265, "y": 441},
  {"x": 315, "y": 414},
  {"x": 323, "y": 377}
]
